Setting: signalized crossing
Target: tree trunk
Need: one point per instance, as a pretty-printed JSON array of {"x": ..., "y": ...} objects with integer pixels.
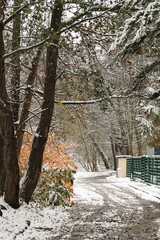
[
  {"x": 30, "y": 180},
  {"x": 15, "y": 80},
  {"x": 9, "y": 153},
  {"x": 2, "y": 169},
  {"x": 11, "y": 161},
  {"x": 27, "y": 100},
  {"x": 101, "y": 152},
  {"x": 139, "y": 142},
  {"x": 114, "y": 154}
]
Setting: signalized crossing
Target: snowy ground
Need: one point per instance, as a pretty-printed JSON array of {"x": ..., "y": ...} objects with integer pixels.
[
  {"x": 30, "y": 222},
  {"x": 105, "y": 208},
  {"x": 146, "y": 191}
]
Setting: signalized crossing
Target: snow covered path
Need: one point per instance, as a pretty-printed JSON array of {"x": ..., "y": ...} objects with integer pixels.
[
  {"x": 109, "y": 208},
  {"x": 105, "y": 208}
]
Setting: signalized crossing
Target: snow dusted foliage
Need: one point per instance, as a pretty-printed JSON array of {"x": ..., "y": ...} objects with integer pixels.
[
  {"x": 142, "y": 21},
  {"x": 138, "y": 33},
  {"x": 149, "y": 109},
  {"x": 149, "y": 122},
  {"x": 145, "y": 125}
]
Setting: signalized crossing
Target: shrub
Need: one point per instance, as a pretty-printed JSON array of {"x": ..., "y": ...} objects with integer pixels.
[{"x": 55, "y": 186}]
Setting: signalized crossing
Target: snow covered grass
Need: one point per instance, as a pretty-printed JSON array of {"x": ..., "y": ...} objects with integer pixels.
[{"x": 30, "y": 222}]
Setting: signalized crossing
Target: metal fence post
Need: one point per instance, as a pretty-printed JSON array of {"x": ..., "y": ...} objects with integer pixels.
[{"x": 143, "y": 162}]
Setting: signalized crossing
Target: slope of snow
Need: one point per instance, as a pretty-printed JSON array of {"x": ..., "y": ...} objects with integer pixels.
[{"x": 30, "y": 222}]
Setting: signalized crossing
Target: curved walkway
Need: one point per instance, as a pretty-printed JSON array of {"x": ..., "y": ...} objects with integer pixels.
[{"x": 105, "y": 208}]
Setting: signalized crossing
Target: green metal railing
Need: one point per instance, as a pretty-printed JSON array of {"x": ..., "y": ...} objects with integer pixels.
[{"x": 145, "y": 168}]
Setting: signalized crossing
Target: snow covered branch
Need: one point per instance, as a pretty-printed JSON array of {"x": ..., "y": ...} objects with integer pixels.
[
  {"x": 79, "y": 19},
  {"x": 155, "y": 95},
  {"x": 23, "y": 49},
  {"x": 143, "y": 74},
  {"x": 136, "y": 43},
  {"x": 80, "y": 102}
]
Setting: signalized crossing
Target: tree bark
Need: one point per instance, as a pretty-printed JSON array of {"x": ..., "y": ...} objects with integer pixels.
[
  {"x": 101, "y": 153},
  {"x": 2, "y": 75},
  {"x": 27, "y": 100},
  {"x": 11, "y": 195},
  {"x": 2, "y": 169},
  {"x": 139, "y": 142},
  {"x": 15, "y": 79},
  {"x": 30, "y": 180},
  {"x": 114, "y": 154},
  {"x": 9, "y": 153}
]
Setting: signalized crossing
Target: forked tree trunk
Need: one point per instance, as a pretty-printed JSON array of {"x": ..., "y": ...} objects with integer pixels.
[
  {"x": 9, "y": 152},
  {"x": 30, "y": 179}
]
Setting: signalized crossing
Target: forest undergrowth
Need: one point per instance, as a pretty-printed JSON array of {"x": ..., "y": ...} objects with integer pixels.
[{"x": 55, "y": 186}]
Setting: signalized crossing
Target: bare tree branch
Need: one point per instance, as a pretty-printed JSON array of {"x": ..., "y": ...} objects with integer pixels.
[
  {"x": 14, "y": 14},
  {"x": 30, "y": 118}
]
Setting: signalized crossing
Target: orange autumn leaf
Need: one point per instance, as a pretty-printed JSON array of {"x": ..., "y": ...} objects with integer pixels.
[{"x": 56, "y": 157}]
